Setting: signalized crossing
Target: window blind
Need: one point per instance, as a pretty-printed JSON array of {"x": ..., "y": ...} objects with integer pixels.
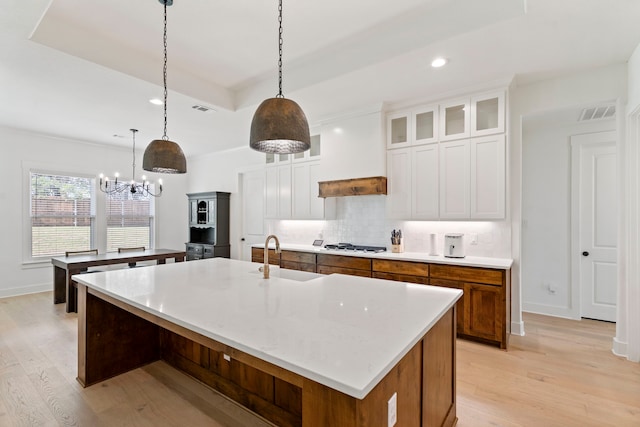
[
  {"x": 62, "y": 214},
  {"x": 129, "y": 220}
]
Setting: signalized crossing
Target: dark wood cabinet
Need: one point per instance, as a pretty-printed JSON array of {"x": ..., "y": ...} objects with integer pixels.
[
  {"x": 257, "y": 255},
  {"x": 401, "y": 271},
  {"x": 484, "y": 313},
  {"x": 341, "y": 264},
  {"x": 302, "y": 261},
  {"x": 208, "y": 225}
]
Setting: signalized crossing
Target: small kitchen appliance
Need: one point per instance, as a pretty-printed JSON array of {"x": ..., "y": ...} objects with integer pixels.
[{"x": 453, "y": 245}]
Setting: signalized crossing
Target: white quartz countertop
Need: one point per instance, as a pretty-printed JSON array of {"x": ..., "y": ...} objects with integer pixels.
[
  {"x": 344, "y": 332},
  {"x": 468, "y": 261}
]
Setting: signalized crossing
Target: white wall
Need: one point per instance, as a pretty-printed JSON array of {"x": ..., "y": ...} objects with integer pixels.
[
  {"x": 546, "y": 213},
  {"x": 23, "y": 149},
  {"x": 602, "y": 84}
]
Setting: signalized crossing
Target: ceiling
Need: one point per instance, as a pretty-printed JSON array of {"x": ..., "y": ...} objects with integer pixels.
[{"x": 85, "y": 70}]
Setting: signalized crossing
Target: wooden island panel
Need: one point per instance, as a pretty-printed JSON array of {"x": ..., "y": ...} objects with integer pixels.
[{"x": 424, "y": 378}]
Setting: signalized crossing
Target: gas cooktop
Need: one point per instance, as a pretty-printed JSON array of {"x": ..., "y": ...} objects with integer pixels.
[{"x": 355, "y": 248}]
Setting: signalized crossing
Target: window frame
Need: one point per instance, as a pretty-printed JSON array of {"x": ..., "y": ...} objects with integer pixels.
[{"x": 99, "y": 202}]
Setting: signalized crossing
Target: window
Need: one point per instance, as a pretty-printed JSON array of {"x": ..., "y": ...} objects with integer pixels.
[
  {"x": 62, "y": 214},
  {"x": 129, "y": 220}
]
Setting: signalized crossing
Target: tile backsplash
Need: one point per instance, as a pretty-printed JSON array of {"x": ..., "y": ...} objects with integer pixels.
[{"x": 362, "y": 220}]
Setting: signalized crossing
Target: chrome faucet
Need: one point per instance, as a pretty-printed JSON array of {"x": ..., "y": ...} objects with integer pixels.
[{"x": 265, "y": 268}]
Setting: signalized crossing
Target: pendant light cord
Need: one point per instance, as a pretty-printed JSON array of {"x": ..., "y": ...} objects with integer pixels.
[
  {"x": 280, "y": 95},
  {"x": 133, "y": 172},
  {"x": 164, "y": 71}
]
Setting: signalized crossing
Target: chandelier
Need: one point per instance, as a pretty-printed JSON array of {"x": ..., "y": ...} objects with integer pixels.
[{"x": 112, "y": 187}]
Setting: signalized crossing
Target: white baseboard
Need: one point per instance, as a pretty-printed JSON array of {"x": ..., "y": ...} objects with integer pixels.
[
  {"x": 619, "y": 348},
  {"x": 24, "y": 290},
  {"x": 548, "y": 310}
]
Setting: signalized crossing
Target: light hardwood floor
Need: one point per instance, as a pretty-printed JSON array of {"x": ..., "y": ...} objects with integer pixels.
[{"x": 562, "y": 373}]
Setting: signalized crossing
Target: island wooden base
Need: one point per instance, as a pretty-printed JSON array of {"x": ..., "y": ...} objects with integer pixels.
[{"x": 114, "y": 337}]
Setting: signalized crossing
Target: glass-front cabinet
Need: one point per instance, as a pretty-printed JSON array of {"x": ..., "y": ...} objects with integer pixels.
[
  {"x": 313, "y": 153},
  {"x": 487, "y": 114},
  {"x": 412, "y": 127},
  {"x": 454, "y": 119}
]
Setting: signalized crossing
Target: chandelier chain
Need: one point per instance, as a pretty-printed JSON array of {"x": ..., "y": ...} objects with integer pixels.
[
  {"x": 164, "y": 71},
  {"x": 280, "y": 50},
  {"x": 133, "y": 171}
]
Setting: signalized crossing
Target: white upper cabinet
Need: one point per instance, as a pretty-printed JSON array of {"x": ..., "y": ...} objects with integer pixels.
[
  {"x": 271, "y": 159},
  {"x": 425, "y": 125},
  {"x": 424, "y": 182},
  {"x": 398, "y": 129},
  {"x": 306, "y": 204},
  {"x": 454, "y": 180},
  {"x": 412, "y": 127},
  {"x": 487, "y": 114},
  {"x": 454, "y": 119},
  {"x": 488, "y": 177},
  {"x": 399, "y": 183},
  {"x": 278, "y": 192}
]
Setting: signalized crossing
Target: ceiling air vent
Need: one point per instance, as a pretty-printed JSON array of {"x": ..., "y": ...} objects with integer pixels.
[
  {"x": 202, "y": 108},
  {"x": 597, "y": 113}
]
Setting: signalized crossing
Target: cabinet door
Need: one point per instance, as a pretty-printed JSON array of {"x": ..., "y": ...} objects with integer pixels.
[
  {"x": 454, "y": 180},
  {"x": 487, "y": 114},
  {"x": 424, "y": 182},
  {"x": 284, "y": 192},
  {"x": 211, "y": 212},
  {"x": 271, "y": 193},
  {"x": 454, "y": 120},
  {"x": 316, "y": 204},
  {"x": 399, "y": 183},
  {"x": 193, "y": 212},
  {"x": 483, "y": 311},
  {"x": 488, "y": 177},
  {"x": 424, "y": 122},
  {"x": 399, "y": 129},
  {"x": 301, "y": 188}
]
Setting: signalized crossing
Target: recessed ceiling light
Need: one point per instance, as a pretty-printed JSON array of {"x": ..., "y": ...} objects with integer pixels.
[
  {"x": 438, "y": 62},
  {"x": 156, "y": 101}
]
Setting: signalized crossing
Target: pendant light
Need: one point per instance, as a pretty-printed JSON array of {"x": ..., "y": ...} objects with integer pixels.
[
  {"x": 279, "y": 124},
  {"x": 163, "y": 155}
]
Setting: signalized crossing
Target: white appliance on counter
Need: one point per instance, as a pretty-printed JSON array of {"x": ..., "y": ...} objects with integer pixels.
[{"x": 454, "y": 245}]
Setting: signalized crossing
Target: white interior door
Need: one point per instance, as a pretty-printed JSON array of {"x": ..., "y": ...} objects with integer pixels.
[
  {"x": 597, "y": 218},
  {"x": 253, "y": 188}
]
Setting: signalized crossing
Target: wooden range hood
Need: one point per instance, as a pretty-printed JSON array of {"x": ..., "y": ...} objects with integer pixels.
[{"x": 353, "y": 187}]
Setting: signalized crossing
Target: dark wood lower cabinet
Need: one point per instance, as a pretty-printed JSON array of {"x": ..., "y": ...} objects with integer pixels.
[
  {"x": 483, "y": 313},
  {"x": 257, "y": 255}
]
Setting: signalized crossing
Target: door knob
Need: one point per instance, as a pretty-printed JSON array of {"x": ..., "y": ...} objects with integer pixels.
[
  {"x": 585, "y": 253},
  {"x": 242, "y": 240}
]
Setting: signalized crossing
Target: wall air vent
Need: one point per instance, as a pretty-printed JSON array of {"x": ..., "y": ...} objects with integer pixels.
[
  {"x": 597, "y": 113},
  {"x": 202, "y": 108}
]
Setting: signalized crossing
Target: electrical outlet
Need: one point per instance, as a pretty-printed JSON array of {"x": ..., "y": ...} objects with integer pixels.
[
  {"x": 226, "y": 357},
  {"x": 473, "y": 239},
  {"x": 392, "y": 410}
]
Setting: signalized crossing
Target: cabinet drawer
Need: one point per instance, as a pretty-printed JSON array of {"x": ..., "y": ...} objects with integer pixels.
[
  {"x": 194, "y": 249},
  {"x": 401, "y": 277},
  {"x": 467, "y": 274},
  {"x": 300, "y": 266},
  {"x": 257, "y": 255},
  {"x": 298, "y": 257},
  {"x": 401, "y": 267},
  {"x": 327, "y": 269},
  {"x": 345, "y": 261}
]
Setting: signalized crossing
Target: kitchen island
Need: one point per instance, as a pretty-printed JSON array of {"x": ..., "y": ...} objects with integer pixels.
[{"x": 298, "y": 349}]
